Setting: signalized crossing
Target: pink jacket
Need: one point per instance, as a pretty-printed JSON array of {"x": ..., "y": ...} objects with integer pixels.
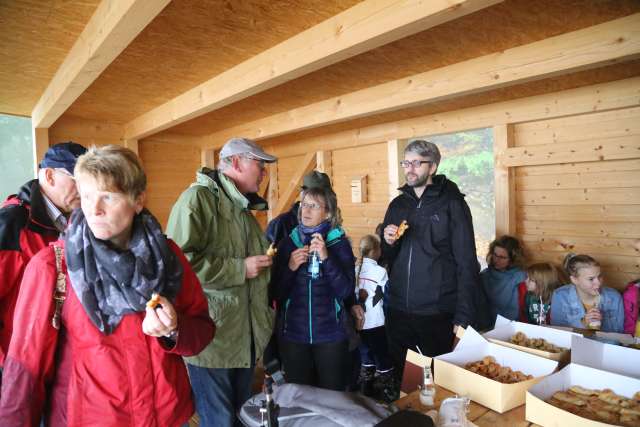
[{"x": 630, "y": 299}]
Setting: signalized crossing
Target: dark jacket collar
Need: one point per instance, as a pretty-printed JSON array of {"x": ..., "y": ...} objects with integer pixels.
[
  {"x": 31, "y": 194},
  {"x": 440, "y": 185}
]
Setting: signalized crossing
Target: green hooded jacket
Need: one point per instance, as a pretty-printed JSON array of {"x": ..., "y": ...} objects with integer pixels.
[{"x": 213, "y": 224}]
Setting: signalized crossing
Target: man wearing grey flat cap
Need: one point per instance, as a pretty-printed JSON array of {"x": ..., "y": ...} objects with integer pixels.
[{"x": 213, "y": 224}]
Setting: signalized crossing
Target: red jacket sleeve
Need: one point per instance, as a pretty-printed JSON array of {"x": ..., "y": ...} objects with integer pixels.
[
  {"x": 29, "y": 365},
  {"x": 522, "y": 306},
  {"x": 12, "y": 265},
  {"x": 195, "y": 327}
]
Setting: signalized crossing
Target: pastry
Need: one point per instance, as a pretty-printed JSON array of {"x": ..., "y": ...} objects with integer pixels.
[
  {"x": 154, "y": 301},
  {"x": 272, "y": 251},
  {"x": 599, "y": 405},
  {"x": 401, "y": 229}
]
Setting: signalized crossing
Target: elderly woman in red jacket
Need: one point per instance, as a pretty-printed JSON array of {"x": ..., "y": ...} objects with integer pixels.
[{"x": 95, "y": 352}]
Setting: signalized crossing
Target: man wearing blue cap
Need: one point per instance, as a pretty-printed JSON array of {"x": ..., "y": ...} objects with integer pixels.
[{"x": 30, "y": 220}]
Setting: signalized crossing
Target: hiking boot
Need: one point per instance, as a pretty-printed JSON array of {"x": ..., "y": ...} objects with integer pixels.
[
  {"x": 367, "y": 380},
  {"x": 387, "y": 388}
]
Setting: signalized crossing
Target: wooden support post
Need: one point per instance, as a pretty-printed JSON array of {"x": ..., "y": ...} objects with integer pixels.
[
  {"x": 208, "y": 158},
  {"x": 293, "y": 189},
  {"x": 395, "y": 153},
  {"x": 505, "y": 183},
  {"x": 40, "y": 146},
  {"x": 323, "y": 162},
  {"x": 132, "y": 144},
  {"x": 272, "y": 194}
]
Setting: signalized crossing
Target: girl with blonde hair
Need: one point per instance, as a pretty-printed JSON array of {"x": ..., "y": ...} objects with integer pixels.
[
  {"x": 585, "y": 302},
  {"x": 542, "y": 279}
]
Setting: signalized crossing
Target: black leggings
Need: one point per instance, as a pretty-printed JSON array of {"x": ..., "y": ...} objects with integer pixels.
[{"x": 320, "y": 365}]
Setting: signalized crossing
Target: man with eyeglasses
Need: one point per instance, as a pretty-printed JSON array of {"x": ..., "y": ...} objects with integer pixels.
[
  {"x": 213, "y": 224},
  {"x": 433, "y": 266},
  {"x": 29, "y": 220}
]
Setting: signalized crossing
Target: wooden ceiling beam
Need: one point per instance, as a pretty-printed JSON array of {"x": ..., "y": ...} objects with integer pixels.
[
  {"x": 293, "y": 189},
  {"x": 112, "y": 27},
  {"x": 363, "y": 27},
  {"x": 613, "y": 41}
]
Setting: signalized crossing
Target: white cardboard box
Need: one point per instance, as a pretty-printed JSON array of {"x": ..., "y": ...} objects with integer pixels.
[
  {"x": 451, "y": 374},
  {"x": 505, "y": 329},
  {"x": 593, "y": 365},
  {"x": 540, "y": 412},
  {"x": 606, "y": 357}
]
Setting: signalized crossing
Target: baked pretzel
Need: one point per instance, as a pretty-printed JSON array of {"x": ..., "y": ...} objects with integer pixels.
[
  {"x": 401, "y": 229},
  {"x": 536, "y": 343},
  {"x": 154, "y": 301},
  {"x": 487, "y": 367},
  {"x": 272, "y": 251},
  {"x": 599, "y": 405}
]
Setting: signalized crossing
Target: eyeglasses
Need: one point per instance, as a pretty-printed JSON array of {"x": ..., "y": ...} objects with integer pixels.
[
  {"x": 312, "y": 206},
  {"x": 261, "y": 163},
  {"x": 65, "y": 172},
  {"x": 499, "y": 256},
  {"x": 415, "y": 163}
]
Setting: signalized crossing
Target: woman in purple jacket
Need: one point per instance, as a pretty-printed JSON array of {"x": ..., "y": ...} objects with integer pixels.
[{"x": 313, "y": 275}]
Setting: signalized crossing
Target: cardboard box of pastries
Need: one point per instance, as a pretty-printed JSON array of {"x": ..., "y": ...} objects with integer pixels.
[
  {"x": 450, "y": 372},
  {"x": 600, "y": 399},
  {"x": 597, "y": 389},
  {"x": 542, "y": 341}
]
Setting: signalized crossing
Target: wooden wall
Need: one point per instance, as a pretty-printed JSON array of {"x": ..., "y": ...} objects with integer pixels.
[
  {"x": 85, "y": 132},
  {"x": 572, "y": 180},
  {"x": 170, "y": 168},
  {"x": 370, "y": 161},
  {"x": 588, "y": 207}
]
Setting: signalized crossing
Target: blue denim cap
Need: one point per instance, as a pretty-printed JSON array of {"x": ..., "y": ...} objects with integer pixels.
[
  {"x": 62, "y": 156},
  {"x": 240, "y": 146}
]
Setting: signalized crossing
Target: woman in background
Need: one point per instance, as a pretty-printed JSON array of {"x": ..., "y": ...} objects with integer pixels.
[{"x": 503, "y": 280}]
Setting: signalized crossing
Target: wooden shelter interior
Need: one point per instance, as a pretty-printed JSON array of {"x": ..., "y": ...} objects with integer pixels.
[{"x": 341, "y": 86}]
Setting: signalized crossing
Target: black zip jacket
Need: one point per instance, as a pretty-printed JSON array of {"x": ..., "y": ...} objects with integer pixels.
[{"x": 433, "y": 267}]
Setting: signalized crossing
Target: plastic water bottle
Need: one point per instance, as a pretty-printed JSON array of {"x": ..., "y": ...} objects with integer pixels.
[
  {"x": 428, "y": 390},
  {"x": 314, "y": 265}
]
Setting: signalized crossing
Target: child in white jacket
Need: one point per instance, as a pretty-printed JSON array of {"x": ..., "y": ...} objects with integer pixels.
[{"x": 376, "y": 372}]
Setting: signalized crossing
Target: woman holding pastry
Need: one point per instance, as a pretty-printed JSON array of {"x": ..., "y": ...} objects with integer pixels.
[{"x": 85, "y": 341}]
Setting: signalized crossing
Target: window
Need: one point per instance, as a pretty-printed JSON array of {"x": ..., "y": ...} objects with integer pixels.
[{"x": 16, "y": 153}]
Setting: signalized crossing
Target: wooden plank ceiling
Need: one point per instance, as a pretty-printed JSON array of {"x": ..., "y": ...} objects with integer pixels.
[
  {"x": 35, "y": 37},
  {"x": 192, "y": 41}
]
